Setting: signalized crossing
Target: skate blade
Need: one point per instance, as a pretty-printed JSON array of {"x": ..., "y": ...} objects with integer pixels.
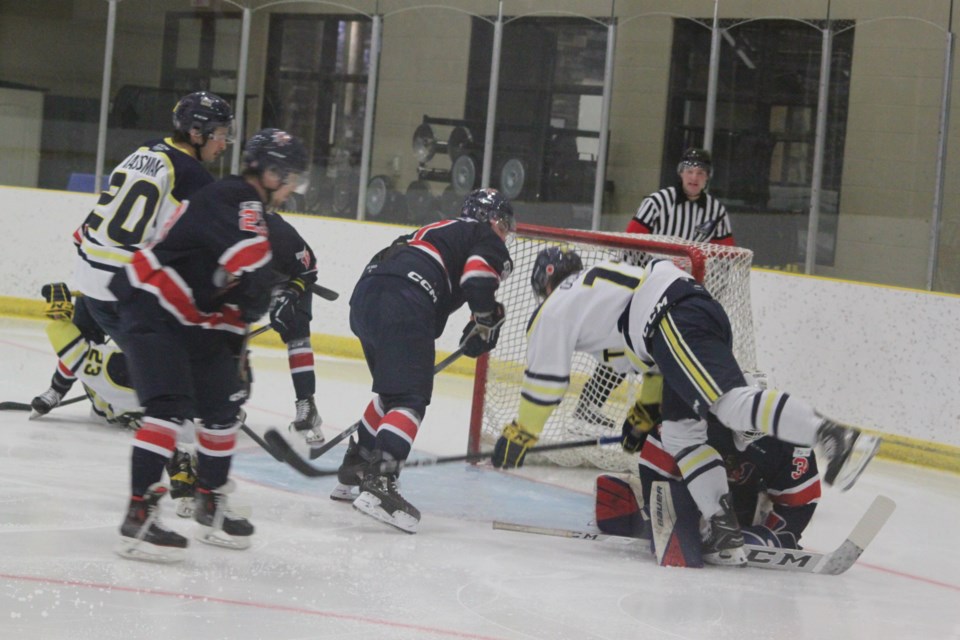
[
  {"x": 146, "y": 552},
  {"x": 34, "y": 414},
  {"x": 220, "y": 538},
  {"x": 864, "y": 449},
  {"x": 344, "y": 493},
  {"x": 369, "y": 505}
]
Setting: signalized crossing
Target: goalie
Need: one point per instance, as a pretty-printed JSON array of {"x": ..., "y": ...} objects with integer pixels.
[
  {"x": 774, "y": 487},
  {"x": 665, "y": 318}
]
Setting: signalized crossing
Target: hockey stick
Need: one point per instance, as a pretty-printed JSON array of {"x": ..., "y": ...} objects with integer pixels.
[
  {"x": 832, "y": 563},
  {"x": 25, "y": 406},
  {"x": 323, "y": 292},
  {"x": 343, "y": 435},
  {"x": 291, "y": 457},
  {"x": 260, "y": 441}
]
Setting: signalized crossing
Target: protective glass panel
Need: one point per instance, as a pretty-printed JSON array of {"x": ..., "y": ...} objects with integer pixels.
[
  {"x": 428, "y": 149},
  {"x": 314, "y": 82},
  {"x": 890, "y": 148},
  {"x": 51, "y": 69}
]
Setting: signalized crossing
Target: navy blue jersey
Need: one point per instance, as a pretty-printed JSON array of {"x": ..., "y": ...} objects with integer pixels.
[
  {"x": 293, "y": 259},
  {"x": 208, "y": 268},
  {"x": 785, "y": 472},
  {"x": 452, "y": 261}
]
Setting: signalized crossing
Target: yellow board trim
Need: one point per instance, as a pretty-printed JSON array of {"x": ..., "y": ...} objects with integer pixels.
[{"x": 923, "y": 453}]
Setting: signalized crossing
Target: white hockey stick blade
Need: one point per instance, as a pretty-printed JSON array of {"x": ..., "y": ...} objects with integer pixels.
[
  {"x": 865, "y": 448},
  {"x": 798, "y": 560}
]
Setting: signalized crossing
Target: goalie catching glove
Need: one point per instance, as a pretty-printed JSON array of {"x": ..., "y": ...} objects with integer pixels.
[
  {"x": 511, "y": 447},
  {"x": 644, "y": 415},
  {"x": 482, "y": 332},
  {"x": 59, "y": 302}
]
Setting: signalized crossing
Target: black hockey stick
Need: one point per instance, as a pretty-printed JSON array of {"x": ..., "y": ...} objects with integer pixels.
[
  {"x": 263, "y": 444},
  {"x": 323, "y": 292},
  {"x": 25, "y": 406},
  {"x": 290, "y": 456},
  {"x": 343, "y": 435},
  {"x": 832, "y": 563}
]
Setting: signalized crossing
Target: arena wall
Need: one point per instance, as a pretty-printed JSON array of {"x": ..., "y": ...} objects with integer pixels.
[{"x": 885, "y": 358}]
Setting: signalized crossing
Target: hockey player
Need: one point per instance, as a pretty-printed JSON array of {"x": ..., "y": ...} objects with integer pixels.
[
  {"x": 291, "y": 310},
  {"x": 145, "y": 190},
  {"x": 185, "y": 303},
  {"x": 100, "y": 367},
  {"x": 664, "y": 318},
  {"x": 398, "y": 309},
  {"x": 684, "y": 210}
]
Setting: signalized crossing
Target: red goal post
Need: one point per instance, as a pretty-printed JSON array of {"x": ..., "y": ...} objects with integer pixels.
[{"x": 598, "y": 399}]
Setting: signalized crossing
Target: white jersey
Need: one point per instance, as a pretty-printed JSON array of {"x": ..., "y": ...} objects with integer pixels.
[
  {"x": 145, "y": 191},
  {"x": 582, "y": 314},
  {"x": 100, "y": 367}
]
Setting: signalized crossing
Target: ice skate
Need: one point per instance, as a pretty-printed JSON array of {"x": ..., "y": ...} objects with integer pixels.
[
  {"x": 45, "y": 402},
  {"x": 307, "y": 423},
  {"x": 724, "y": 542},
  {"x": 220, "y": 526},
  {"x": 848, "y": 452},
  {"x": 350, "y": 472},
  {"x": 380, "y": 499},
  {"x": 143, "y": 536}
]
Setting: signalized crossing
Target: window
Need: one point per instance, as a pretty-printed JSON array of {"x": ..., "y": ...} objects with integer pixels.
[
  {"x": 765, "y": 116},
  {"x": 317, "y": 90}
]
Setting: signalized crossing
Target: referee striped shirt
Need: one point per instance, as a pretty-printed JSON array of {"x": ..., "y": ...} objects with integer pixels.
[{"x": 663, "y": 213}]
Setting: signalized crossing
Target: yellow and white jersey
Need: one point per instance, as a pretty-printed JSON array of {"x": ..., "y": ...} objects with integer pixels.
[
  {"x": 145, "y": 191},
  {"x": 582, "y": 315},
  {"x": 100, "y": 367}
]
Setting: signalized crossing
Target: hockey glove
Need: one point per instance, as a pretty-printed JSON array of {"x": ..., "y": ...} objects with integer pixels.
[
  {"x": 764, "y": 537},
  {"x": 511, "y": 447},
  {"x": 644, "y": 415},
  {"x": 283, "y": 309},
  {"x": 482, "y": 332},
  {"x": 59, "y": 303}
]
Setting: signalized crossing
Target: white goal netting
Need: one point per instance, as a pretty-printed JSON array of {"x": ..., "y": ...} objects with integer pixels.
[{"x": 598, "y": 399}]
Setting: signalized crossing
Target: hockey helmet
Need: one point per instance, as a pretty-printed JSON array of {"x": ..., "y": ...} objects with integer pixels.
[
  {"x": 275, "y": 150},
  {"x": 203, "y": 111},
  {"x": 484, "y": 205},
  {"x": 694, "y": 157},
  {"x": 552, "y": 267}
]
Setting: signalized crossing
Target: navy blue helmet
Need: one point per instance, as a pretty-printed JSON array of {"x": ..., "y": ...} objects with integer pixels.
[{"x": 552, "y": 267}]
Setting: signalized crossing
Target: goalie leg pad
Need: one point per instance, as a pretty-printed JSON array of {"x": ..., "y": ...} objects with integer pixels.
[
  {"x": 675, "y": 521},
  {"x": 619, "y": 506}
]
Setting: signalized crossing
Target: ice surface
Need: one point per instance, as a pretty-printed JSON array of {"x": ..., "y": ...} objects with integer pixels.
[{"x": 318, "y": 569}]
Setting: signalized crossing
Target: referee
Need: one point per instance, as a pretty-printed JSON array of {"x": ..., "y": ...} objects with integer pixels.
[{"x": 686, "y": 210}]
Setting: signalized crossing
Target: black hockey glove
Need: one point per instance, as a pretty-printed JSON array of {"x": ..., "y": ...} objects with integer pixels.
[
  {"x": 482, "y": 332},
  {"x": 644, "y": 415},
  {"x": 511, "y": 447},
  {"x": 59, "y": 303},
  {"x": 283, "y": 309}
]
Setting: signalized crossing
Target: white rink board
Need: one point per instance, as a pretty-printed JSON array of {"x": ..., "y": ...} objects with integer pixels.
[{"x": 886, "y": 359}]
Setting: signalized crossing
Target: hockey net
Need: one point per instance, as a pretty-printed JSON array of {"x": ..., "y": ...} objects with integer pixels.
[{"x": 598, "y": 399}]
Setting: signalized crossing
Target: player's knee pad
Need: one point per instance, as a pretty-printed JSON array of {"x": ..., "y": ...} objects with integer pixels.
[
  {"x": 677, "y": 435},
  {"x": 412, "y": 402},
  {"x": 173, "y": 408}
]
